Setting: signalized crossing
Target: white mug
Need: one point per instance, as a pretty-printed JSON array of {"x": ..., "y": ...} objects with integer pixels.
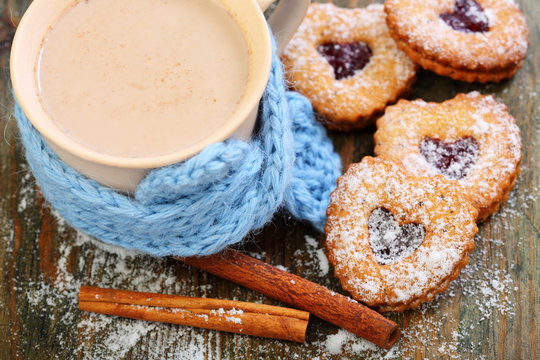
[{"x": 124, "y": 173}]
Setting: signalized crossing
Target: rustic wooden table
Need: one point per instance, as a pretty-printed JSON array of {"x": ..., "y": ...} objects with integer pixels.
[{"x": 491, "y": 312}]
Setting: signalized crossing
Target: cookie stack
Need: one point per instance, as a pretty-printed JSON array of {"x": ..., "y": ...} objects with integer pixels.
[{"x": 401, "y": 224}]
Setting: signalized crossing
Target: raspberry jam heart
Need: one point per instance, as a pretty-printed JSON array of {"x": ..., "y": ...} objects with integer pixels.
[
  {"x": 467, "y": 16},
  {"x": 346, "y": 58},
  {"x": 452, "y": 159},
  {"x": 391, "y": 241}
]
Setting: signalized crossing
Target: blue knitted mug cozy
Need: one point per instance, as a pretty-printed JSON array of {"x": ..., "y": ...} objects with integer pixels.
[{"x": 212, "y": 200}]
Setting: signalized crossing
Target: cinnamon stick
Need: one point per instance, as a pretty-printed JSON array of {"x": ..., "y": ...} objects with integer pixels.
[
  {"x": 224, "y": 315},
  {"x": 301, "y": 293}
]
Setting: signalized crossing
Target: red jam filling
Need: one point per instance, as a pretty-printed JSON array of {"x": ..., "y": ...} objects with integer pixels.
[
  {"x": 467, "y": 16},
  {"x": 346, "y": 58},
  {"x": 453, "y": 159},
  {"x": 391, "y": 241}
]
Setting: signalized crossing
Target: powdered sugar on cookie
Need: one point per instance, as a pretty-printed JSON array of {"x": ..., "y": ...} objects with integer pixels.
[
  {"x": 436, "y": 204},
  {"x": 422, "y": 31},
  {"x": 487, "y": 174},
  {"x": 352, "y": 100}
]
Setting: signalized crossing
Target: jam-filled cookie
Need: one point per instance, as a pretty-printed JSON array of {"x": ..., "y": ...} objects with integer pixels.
[
  {"x": 471, "y": 138},
  {"x": 469, "y": 40},
  {"x": 396, "y": 240},
  {"x": 347, "y": 64}
]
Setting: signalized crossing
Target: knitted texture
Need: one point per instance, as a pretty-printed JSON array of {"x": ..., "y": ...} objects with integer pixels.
[{"x": 212, "y": 200}]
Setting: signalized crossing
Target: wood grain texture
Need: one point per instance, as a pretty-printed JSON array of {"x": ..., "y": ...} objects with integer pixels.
[{"x": 43, "y": 262}]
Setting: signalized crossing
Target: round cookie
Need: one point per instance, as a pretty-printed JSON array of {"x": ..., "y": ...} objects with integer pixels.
[
  {"x": 347, "y": 64},
  {"x": 471, "y": 138},
  {"x": 396, "y": 240},
  {"x": 469, "y": 40}
]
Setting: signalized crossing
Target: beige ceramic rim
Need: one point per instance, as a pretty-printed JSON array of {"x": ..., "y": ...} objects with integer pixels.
[{"x": 27, "y": 42}]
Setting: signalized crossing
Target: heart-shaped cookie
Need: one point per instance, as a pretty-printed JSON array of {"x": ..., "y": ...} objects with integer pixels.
[
  {"x": 345, "y": 61},
  {"x": 467, "y": 40},
  {"x": 471, "y": 138},
  {"x": 467, "y": 16},
  {"x": 395, "y": 239},
  {"x": 391, "y": 241},
  {"x": 346, "y": 58}
]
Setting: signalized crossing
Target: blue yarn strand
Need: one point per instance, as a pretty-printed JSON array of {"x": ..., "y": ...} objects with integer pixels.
[{"x": 212, "y": 200}]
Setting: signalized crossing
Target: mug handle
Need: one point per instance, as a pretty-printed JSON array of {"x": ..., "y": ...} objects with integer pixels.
[{"x": 285, "y": 19}]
